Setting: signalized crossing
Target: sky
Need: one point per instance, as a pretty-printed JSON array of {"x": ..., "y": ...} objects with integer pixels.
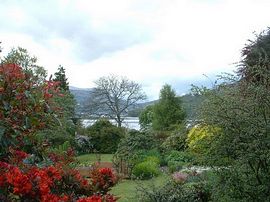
[{"x": 152, "y": 42}]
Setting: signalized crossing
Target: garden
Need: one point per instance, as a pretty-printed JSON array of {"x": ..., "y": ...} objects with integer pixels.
[{"x": 221, "y": 155}]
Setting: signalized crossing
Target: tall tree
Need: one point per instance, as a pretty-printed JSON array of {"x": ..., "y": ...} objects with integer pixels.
[
  {"x": 60, "y": 76},
  {"x": 113, "y": 96},
  {"x": 168, "y": 111}
]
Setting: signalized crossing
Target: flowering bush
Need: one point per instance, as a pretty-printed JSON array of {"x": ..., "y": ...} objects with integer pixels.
[
  {"x": 25, "y": 108},
  {"x": 56, "y": 183},
  {"x": 179, "y": 177},
  {"x": 102, "y": 179}
]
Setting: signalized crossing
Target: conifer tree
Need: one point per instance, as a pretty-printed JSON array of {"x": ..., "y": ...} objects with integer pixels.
[{"x": 60, "y": 76}]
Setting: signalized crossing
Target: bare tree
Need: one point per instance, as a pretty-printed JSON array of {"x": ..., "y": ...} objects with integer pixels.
[{"x": 113, "y": 96}]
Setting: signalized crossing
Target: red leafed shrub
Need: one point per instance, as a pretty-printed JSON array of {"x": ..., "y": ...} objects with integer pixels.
[
  {"x": 102, "y": 179},
  {"x": 25, "y": 108},
  {"x": 54, "y": 183}
]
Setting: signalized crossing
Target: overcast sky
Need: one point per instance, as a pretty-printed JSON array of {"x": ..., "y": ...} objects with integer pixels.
[{"x": 152, "y": 42}]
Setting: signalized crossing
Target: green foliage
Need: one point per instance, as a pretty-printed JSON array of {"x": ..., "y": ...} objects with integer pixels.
[
  {"x": 24, "y": 108},
  {"x": 168, "y": 111},
  {"x": 83, "y": 144},
  {"x": 21, "y": 57},
  {"x": 66, "y": 103},
  {"x": 166, "y": 114},
  {"x": 172, "y": 191},
  {"x": 144, "y": 155},
  {"x": 146, "y": 169},
  {"x": 176, "y": 140},
  {"x": 176, "y": 160},
  {"x": 61, "y": 149},
  {"x": 59, "y": 128},
  {"x": 105, "y": 136},
  {"x": 153, "y": 159},
  {"x": 135, "y": 141},
  {"x": 60, "y": 76},
  {"x": 146, "y": 117},
  {"x": 200, "y": 139},
  {"x": 240, "y": 107},
  {"x": 59, "y": 132},
  {"x": 62, "y": 129},
  {"x": 134, "y": 148},
  {"x": 254, "y": 68}
]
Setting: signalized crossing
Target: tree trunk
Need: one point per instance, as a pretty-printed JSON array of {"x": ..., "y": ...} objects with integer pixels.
[{"x": 118, "y": 120}]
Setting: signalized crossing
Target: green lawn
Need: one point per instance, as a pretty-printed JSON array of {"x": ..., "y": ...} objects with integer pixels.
[
  {"x": 126, "y": 189},
  {"x": 88, "y": 159}
]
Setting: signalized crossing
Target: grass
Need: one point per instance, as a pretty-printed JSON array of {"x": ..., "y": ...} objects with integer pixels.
[
  {"x": 126, "y": 189},
  {"x": 88, "y": 159}
]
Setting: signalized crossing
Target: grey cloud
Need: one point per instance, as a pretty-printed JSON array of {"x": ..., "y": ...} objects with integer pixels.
[
  {"x": 183, "y": 86},
  {"x": 47, "y": 20}
]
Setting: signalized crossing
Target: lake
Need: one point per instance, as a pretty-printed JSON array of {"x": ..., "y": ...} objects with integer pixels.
[{"x": 129, "y": 122}]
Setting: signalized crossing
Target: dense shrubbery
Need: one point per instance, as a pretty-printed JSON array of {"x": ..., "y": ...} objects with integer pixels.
[
  {"x": 202, "y": 143},
  {"x": 29, "y": 170},
  {"x": 181, "y": 187},
  {"x": 57, "y": 182},
  {"x": 176, "y": 140},
  {"x": 176, "y": 160},
  {"x": 133, "y": 149},
  {"x": 105, "y": 136},
  {"x": 240, "y": 107},
  {"x": 83, "y": 144},
  {"x": 146, "y": 169},
  {"x": 233, "y": 134}
]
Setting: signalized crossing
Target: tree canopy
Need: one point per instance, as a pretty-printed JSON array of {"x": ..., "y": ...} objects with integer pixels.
[
  {"x": 166, "y": 113},
  {"x": 60, "y": 76},
  {"x": 28, "y": 63}
]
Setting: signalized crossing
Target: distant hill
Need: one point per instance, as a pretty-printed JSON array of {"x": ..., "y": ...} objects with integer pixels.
[
  {"x": 190, "y": 103},
  {"x": 82, "y": 95}
]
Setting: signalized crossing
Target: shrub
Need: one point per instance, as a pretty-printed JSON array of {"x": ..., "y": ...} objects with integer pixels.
[
  {"x": 133, "y": 149},
  {"x": 202, "y": 142},
  {"x": 153, "y": 159},
  {"x": 173, "y": 191},
  {"x": 177, "y": 159},
  {"x": 83, "y": 144},
  {"x": 146, "y": 170},
  {"x": 105, "y": 136},
  {"x": 175, "y": 141},
  {"x": 142, "y": 155},
  {"x": 57, "y": 182},
  {"x": 174, "y": 155},
  {"x": 38, "y": 175},
  {"x": 175, "y": 165},
  {"x": 200, "y": 138}
]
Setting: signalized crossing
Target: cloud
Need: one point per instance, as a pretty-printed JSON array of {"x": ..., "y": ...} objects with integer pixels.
[
  {"x": 52, "y": 19},
  {"x": 174, "y": 41}
]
